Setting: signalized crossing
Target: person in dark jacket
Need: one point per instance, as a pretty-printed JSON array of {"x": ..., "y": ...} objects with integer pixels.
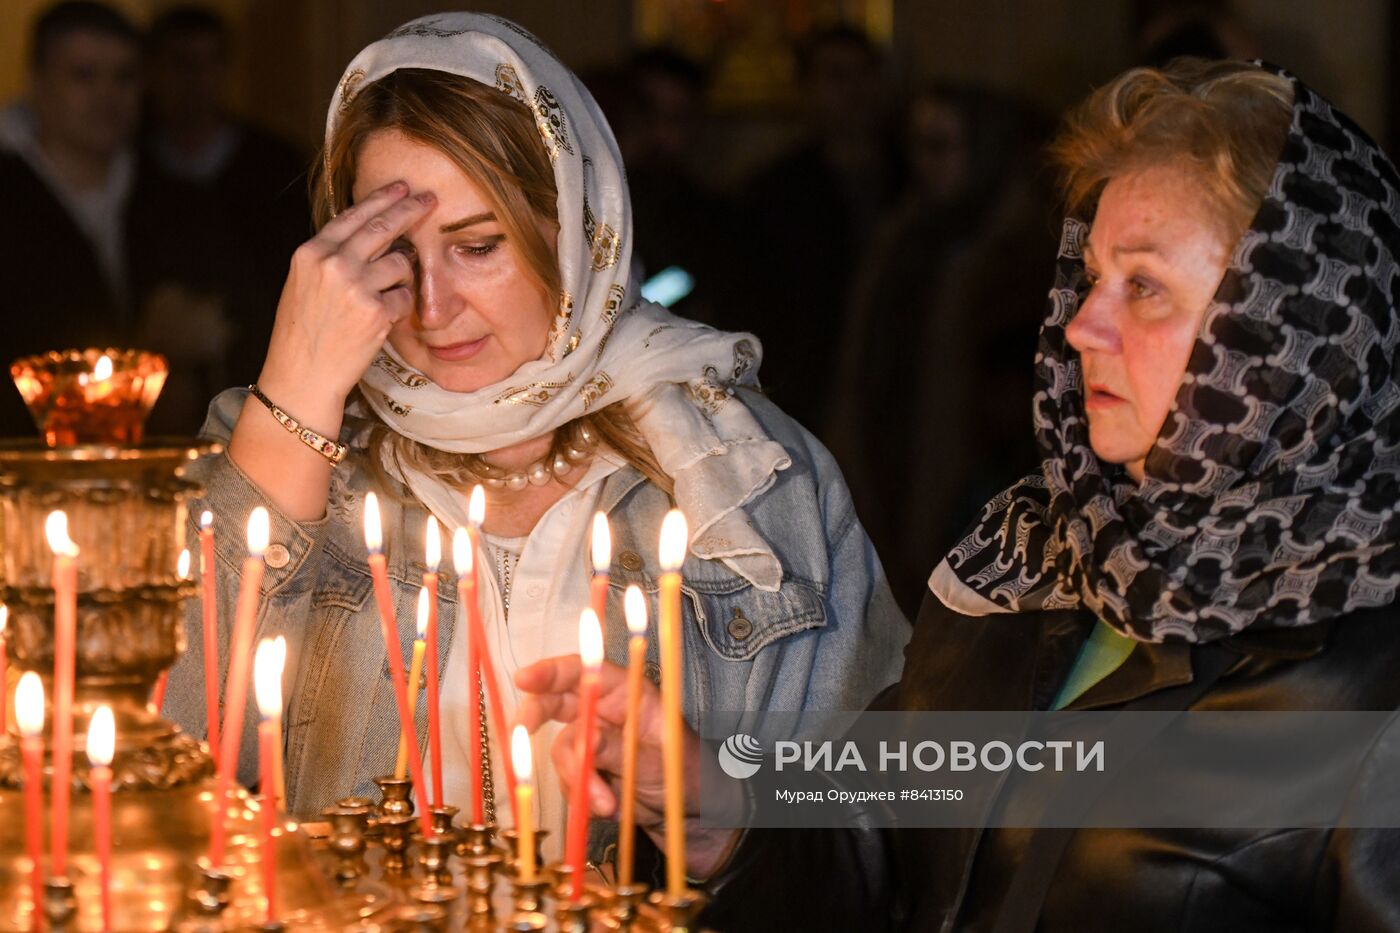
[{"x": 1213, "y": 527}]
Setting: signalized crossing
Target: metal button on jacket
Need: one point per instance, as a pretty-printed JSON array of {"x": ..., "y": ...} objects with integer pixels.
[
  {"x": 630, "y": 560},
  {"x": 739, "y": 626},
  {"x": 277, "y": 556}
]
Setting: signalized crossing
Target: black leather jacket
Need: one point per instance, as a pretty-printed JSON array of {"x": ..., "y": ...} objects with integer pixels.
[{"x": 1142, "y": 880}]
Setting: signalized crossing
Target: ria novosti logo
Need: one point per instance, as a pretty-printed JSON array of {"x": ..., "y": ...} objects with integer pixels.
[{"x": 740, "y": 756}]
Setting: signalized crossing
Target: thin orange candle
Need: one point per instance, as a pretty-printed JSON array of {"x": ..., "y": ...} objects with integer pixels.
[
  {"x": 466, "y": 545},
  {"x": 65, "y": 591},
  {"x": 590, "y": 650},
  {"x": 101, "y": 742},
  {"x": 432, "y": 557},
  {"x": 267, "y": 685},
  {"x": 209, "y": 606},
  {"x": 29, "y": 715},
  {"x": 379, "y": 572},
  {"x": 524, "y": 808},
  {"x": 240, "y": 659},
  {"x": 635, "y": 606},
  {"x": 279, "y": 776},
  {"x": 674, "y": 539},
  {"x": 4, "y": 667},
  {"x": 415, "y": 678},
  {"x": 464, "y": 558},
  {"x": 602, "y": 558},
  {"x": 182, "y": 570}
]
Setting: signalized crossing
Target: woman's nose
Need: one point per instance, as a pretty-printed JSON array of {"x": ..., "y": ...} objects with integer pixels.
[
  {"x": 1094, "y": 327},
  {"x": 437, "y": 297}
]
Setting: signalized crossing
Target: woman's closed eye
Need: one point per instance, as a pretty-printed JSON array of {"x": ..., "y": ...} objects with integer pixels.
[{"x": 480, "y": 247}]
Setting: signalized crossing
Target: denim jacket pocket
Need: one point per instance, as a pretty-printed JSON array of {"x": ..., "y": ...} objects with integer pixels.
[{"x": 742, "y": 622}]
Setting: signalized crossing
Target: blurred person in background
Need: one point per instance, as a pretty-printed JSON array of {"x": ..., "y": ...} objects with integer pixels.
[
  {"x": 812, "y": 212},
  {"x": 67, "y": 176},
  {"x": 231, "y": 206},
  {"x": 941, "y": 329}
]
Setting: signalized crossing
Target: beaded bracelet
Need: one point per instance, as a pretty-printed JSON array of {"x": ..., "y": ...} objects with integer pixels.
[{"x": 318, "y": 442}]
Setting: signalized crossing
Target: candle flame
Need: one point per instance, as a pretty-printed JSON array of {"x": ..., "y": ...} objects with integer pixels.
[
  {"x": 258, "y": 531},
  {"x": 432, "y": 545},
  {"x": 101, "y": 737},
  {"x": 102, "y": 370},
  {"x": 476, "y": 506},
  {"x": 56, "y": 530},
  {"x": 462, "y": 551},
  {"x": 674, "y": 538},
  {"x": 590, "y": 639},
  {"x": 29, "y": 705},
  {"x": 267, "y": 678},
  {"x": 182, "y": 566},
  {"x": 520, "y": 754},
  {"x": 374, "y": 532},
  {"x": 634, "y": 605},
  {"x": 424, "y": 598},
  {"x": 4, "y": 618},
  {"x": 602, "y": 543},
  {"x": 279, "y": 644},
  {"x": 206, "y": 518}
]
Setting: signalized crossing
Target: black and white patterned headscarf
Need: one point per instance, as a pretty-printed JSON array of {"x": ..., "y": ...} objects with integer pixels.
[{"x": 1271, "y": 493}]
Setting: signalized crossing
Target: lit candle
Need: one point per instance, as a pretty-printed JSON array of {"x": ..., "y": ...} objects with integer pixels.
[
  {"x": 415, "y": 678},
  {"x": 465, "y": 547},
  {"x": 590, "y": 650},
  {"x": 240, "y": 658},
  {"x": 4, "y": 667},
  {"x": 674, "y": 539},
  {"x": 210, "y": 608},
  {"x": 65, "y": 591},
  {"x": 101, "y": 742},
  {"x": 29, "y": 715},
  {"x": 279, "y": 776},
  {"x": 432, "y": 556},
  {"x": 379, "y": 572},
  {"x": 464, "y": 557},
  {"x": 635, "y": 606},
  {"x": 182, "y": 570},
  {"x": 602, "y": 558},
  {"x": 524, "y": 809},
  {"x": 267, "y": 684}
]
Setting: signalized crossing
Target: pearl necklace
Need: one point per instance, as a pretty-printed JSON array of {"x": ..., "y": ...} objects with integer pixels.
[{"x": 576, "y": 447}]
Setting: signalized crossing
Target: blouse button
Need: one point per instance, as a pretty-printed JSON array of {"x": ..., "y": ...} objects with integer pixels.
[
  {"x": 534, "y": 590},
  {"x": 630, "y": 560},
  {"x": 740, "y": 627},
  {"x": 277, "y": 556}
]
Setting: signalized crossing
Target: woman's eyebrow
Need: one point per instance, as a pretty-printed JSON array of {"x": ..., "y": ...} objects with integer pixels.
[{"x": 465, "y": 222}]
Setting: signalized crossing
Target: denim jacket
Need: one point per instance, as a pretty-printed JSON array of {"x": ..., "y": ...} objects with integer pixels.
[{"x": 829, "y": 638}]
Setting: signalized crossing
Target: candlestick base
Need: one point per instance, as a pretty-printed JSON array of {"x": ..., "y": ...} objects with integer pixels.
[
  {"x": 59, "y": 903},
  {"x": 512, "y": 842},
  {"x": 420, "y": 918},
  {"x": 442, "y": 820},
  {"x": 435, "y": 856},
  {"x": 572, "y": 916},
  {"x": 625, "y": 904},
  {"x": 347, "y": 840},
  {"x": 527, "y": 922},
  {"x": 678, "y": 913},
  {"x": 529, "y": 895},
  {"x": 475, "y": 839},
  {"x": 481, "y": 882},
  {"x": 396, "y": 797},
  {"x": 396, "y": 832}
]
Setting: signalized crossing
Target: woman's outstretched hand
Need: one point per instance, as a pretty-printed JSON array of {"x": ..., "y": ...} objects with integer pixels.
[
  {"x": 347, "y": 287},
  {"x": 552, "y": 687}
]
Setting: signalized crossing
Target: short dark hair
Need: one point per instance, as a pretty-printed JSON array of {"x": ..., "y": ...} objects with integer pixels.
[
  {"x": 62, "y": 20},
  {"x": 180, "y": 22}
]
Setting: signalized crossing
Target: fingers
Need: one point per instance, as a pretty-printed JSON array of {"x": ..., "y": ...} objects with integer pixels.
[
  {"x": 392, "y": 270},
  {"x": 339, "y": 228},
  {"x": 379, "y": 231},
  {"x": 552, "y": 675},
  {"x": 535, "y": 711}
]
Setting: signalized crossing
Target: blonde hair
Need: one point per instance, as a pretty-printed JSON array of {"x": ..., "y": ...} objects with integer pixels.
[
  {"x": 493, "y": 139},
  {"x": 1225, "y": 123}
]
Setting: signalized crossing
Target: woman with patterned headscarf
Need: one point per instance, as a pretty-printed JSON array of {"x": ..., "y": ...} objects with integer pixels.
[
  {"x": 1214, "y": 526},
  {"x": 467, "y": 314}
]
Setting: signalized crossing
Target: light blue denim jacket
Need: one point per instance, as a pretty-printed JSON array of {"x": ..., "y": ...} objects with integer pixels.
[{"x": 829, "y": 638}]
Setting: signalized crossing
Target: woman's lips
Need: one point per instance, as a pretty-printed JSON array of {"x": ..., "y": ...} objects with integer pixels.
[
  {"x": 457, "y": 352},
  {"x": 1098, "y": 398}
]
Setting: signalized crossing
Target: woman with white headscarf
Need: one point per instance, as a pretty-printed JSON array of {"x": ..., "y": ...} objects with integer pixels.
[{"x": 467, "y": 313}]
